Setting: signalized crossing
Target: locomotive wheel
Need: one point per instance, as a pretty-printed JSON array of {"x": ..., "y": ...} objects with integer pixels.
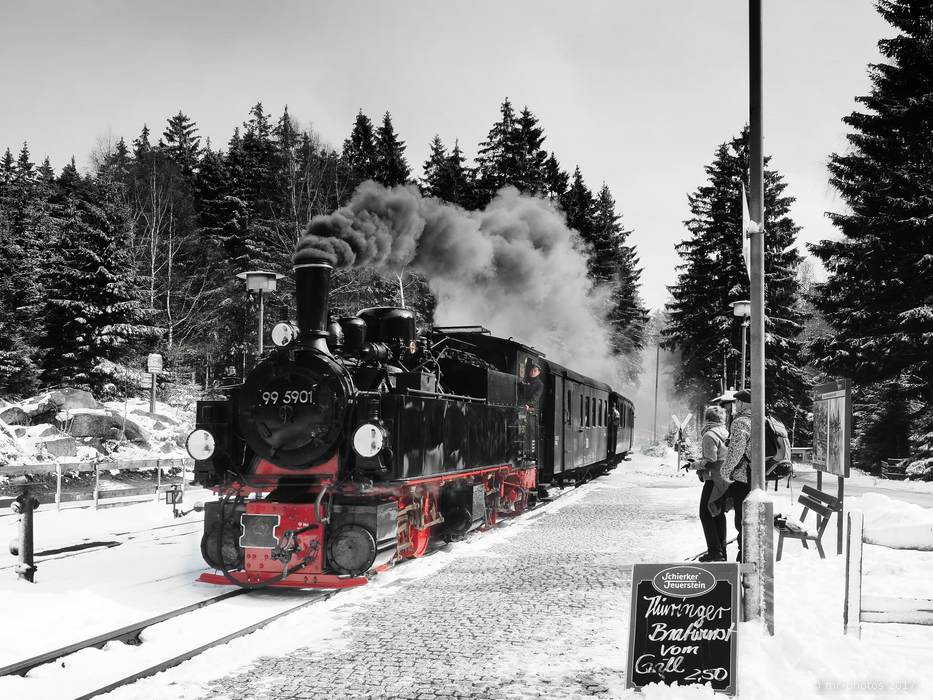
[
  {"x": 521, "y": 504},
  {"x": 419, "y": 540}
]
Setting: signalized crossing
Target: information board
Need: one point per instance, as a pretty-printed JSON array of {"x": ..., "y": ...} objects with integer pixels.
[
  {"x": 683, "y": 625},
  {"x": 154, "y": 363},
  {"x": 832, "y": 427}
]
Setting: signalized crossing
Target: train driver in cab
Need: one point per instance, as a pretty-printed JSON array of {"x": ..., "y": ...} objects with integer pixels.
[{"x": 534, "y": 387}]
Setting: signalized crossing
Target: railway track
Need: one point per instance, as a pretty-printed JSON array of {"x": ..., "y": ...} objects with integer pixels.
[{"x": 132, "y": 634}]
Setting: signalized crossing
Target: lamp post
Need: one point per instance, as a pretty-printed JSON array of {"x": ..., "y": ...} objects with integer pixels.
[
  {"x": 742, "y": 309},
  {"x": 757, "y": 510},
  {"x": 260, "y": 281}
]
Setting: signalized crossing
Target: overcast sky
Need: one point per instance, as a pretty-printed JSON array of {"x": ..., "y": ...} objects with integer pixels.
[{"x": 637, "y": 93}]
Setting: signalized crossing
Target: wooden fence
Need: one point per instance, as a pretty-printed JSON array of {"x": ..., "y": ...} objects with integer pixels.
[
  {"x": 96, "y": 467},
  {"x": 858, "y": 608}
]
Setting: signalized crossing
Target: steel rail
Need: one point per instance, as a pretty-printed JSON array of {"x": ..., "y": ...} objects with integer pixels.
[
  {"x": 125, "y": 634},
  {"x": 181, "y": 658}
]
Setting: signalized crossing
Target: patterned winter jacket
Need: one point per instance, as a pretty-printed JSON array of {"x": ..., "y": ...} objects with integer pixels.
[{"x": 740, "y": 439}]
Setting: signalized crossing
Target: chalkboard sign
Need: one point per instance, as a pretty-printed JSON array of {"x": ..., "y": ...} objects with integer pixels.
[{"x": 683, "y": 625}]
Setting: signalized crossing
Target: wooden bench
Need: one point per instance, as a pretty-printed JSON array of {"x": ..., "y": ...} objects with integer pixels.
[
  {"x": 894, "y": 469},
  {"x": 824, "y": 506},
  {"x": 860, "y": 608}
]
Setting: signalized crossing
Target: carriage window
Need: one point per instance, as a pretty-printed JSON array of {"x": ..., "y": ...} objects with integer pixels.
[
  {"x": 599, "y": 415},
  {"x": 589, "y": 413},
  {"x": 581, "y": 410}
]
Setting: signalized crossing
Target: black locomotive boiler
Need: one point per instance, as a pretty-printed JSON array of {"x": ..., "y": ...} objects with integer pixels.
[{"x": 354, "y": 445}]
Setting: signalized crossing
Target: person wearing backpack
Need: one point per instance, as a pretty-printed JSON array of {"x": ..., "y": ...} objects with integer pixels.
[
  {"x": 735, "y": 470},
  {"x": 714, "y": 441},
  {"x": 777, "y": 449}
]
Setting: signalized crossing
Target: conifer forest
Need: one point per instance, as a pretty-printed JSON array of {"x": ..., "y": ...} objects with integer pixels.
[{"x": 140, "y": 252}]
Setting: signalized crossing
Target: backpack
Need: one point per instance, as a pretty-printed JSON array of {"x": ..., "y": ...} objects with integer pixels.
[{"x": 777, "y": 448}]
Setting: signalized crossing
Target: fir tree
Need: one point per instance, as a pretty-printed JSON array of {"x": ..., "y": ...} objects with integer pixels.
[
  {"x": 556, "y": 180},
  {"x": 460, "y": 186},
  {"x": 614, "y": 265},
  {"x": 512, "y": 154},
  {"x": 141, "y": 145},
  {"x": 435, "y": 169},
  {"x": 713, "y": 274},
  {"x": 446, "y": 176},
  {"x": 359, "y": 150},
  {"x": 531, "y": 158},
  {"x": 579, "y": 207},
  {"x": 23, "y": 237},
  {"x": 182, "y": 143},
  {"x": 17, "y": 373},
  {"x": 879, "y": 295},
  {"x": 94, "y": 318},
  {"x": 391, "y": 168},
  {"x": 496, "y": 161}
]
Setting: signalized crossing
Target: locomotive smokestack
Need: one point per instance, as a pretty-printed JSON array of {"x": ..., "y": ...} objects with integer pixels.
[{"x": 312, "y": 287}]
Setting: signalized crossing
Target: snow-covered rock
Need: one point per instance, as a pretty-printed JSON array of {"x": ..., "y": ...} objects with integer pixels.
[
  {"x": 14, "y": 415},
  {"x": 103, "y": 424},
  {"x": 64, "y": 446}
]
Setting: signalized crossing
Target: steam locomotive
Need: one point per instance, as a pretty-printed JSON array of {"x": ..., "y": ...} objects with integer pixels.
[{"x": 354, "y": 445}]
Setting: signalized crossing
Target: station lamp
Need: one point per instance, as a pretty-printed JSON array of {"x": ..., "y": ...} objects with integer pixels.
[
  {"x": 260, "y": 281},
  {"x": 742, "y": 309}
]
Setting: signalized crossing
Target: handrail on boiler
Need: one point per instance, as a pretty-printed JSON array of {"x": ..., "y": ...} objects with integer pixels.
[{"x": 456, "y": 397}]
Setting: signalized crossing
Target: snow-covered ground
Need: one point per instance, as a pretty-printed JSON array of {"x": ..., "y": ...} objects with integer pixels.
[{"x": 154, "y": 567}]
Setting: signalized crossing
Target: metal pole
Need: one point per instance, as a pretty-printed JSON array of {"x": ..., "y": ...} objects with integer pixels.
[
  {"x": 260, "y": 322},
  {"x": 757, "y": 512},
  {"x": 657, "y": 364},
  {"x": 742, "y": 370},
  {"x": 152, "y": 394},
  {"x": 26, "y": 568}
]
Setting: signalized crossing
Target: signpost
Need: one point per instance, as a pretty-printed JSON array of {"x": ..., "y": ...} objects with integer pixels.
[
  {"x": 832, "y": 435},
  {"x": 683, "y": 625},
  {"x": 154, "y": 367},
  {"x": 681, "y": 442}
]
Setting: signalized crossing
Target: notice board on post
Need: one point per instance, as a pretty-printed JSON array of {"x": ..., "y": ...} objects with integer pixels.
[
  {"x": 683, "y": 625},
  {"x": 832, "y": 426}
]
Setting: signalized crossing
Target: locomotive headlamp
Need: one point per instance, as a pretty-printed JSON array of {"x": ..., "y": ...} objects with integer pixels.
[
  {"x": 283, "y": 333},
  {"x": 368, "y": 440},
  {"x": 200, "y": 444}
]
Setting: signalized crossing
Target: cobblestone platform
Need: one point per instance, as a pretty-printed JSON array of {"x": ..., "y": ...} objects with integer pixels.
[{"x": 541, "y": 612}]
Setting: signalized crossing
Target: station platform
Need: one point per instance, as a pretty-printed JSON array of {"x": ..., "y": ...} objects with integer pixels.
[{"x": 538, "y": 607}]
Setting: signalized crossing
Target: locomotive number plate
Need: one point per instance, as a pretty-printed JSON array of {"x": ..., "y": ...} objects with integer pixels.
[
  {"x": 287, "y": 397},
  {"x": 259, "y": 530}
]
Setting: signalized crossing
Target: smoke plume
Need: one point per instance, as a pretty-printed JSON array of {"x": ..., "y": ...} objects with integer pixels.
[{"x": 514, "y": 267}]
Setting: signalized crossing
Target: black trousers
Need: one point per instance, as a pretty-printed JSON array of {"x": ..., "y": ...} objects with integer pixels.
[
  {"x": 714, "y": 528},
  {"x": 738, "y": 491}
]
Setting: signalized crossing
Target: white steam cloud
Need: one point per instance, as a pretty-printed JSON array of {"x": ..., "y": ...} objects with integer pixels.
[{"x": 514, "y": 267}]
